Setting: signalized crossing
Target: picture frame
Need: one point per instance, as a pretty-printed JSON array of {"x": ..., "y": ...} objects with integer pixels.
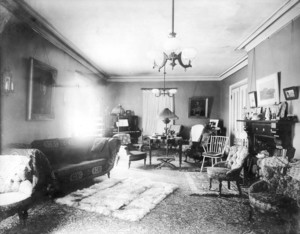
[
  {"x": 268, "y": 90},
  {"x": 291, "y": 93},
  {"x": 198, "y": 107},
  {"x": 42, "y": 79},
  {"x": 214, "y": 123},
  {"x": 252, "y": 99}
]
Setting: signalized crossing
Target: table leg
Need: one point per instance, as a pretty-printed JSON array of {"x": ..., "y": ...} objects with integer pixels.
[
  {"x": 150, "y": 155},
  {"x": 180, "y": 154}
]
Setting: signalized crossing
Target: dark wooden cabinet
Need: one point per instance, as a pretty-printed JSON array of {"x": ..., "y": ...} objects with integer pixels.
[
  {"x": 268, "y": 135},
  {"x": 272, "y": 136}
]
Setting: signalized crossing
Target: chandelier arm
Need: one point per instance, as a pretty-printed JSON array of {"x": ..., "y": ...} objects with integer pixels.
[
  {"x": 164, "y": 62},
  {"x": 181, "y": 63}
]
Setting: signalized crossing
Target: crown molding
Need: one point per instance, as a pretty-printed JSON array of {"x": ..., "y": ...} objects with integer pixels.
[
  {"x": 160, "y": 78},
  {"x": 234, "y": 68},
  {"x": 27, "y": 14},
  {"x": 243, "y": 62},
  {"x": 286, "y": 13}
]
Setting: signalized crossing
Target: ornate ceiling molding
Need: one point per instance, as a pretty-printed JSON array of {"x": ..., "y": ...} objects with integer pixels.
[
  {"x": 21, "y": 10},
  {"x": 289, "y": 11}
]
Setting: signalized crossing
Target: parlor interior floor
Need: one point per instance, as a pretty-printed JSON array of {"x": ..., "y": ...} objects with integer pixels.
[{"x": 191, "y": 209}]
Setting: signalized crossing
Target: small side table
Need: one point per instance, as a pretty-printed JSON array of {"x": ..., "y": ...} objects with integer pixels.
[{"x": 168, "y": 142}]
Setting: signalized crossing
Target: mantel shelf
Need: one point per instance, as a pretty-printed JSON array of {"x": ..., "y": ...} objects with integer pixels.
[{"x": 267, "y": 121}]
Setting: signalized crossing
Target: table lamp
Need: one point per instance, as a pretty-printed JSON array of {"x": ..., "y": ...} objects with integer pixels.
[
  {"x": 118, "y": 110},
  {"x": 166, "y": 115}
]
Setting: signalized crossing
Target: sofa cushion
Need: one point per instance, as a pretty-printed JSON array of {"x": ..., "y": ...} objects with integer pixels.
[
  {"x": 7, "y": 199},
  {"x": 76, "y": 172},
  {"x": 13, "y": 170}
]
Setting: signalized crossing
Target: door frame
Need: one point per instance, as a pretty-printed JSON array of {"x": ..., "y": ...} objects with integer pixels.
[{"x": 231, "y": 87}]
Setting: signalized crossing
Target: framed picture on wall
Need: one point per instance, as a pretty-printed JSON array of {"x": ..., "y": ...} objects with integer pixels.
[
  {"x": 198, "y": 107},
  {"x": 41, "y": 83},
  {"x": 252, "y": 99},
  {"x": 268, "y": 90},
  {"x": 291, "y": 93}
]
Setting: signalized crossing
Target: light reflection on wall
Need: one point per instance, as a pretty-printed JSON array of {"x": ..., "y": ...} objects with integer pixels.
[{"x": 83, "y": 111}]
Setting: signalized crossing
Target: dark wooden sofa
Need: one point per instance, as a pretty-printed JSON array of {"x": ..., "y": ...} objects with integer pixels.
[{"x": 76, "y": 159}]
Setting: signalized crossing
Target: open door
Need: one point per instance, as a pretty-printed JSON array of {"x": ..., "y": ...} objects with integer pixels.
[{"x": 237, "y": 103}]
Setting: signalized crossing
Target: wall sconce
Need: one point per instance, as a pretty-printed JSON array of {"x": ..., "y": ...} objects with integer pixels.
[{"x": 7, "y": 82}]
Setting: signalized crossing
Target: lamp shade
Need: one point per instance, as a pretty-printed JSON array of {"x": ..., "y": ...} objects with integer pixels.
[
  {"x": 118, "y": 110},
  {"x": 167, "y": 114}
]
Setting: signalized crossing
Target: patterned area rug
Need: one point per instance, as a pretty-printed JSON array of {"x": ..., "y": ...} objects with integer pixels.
[
  {"x": 199, "y": 185},
  {"x": 127, "y": 199}
]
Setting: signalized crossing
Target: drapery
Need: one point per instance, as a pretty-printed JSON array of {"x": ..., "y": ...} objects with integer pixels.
[{"x": 152, "y": 106}]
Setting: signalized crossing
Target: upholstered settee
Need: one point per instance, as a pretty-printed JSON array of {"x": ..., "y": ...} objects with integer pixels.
[
  {"x": 76, "y": 159},
  {"x": 25, "y": 176}
]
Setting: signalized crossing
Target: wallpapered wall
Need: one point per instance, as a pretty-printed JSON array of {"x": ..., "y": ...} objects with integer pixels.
[
  {"x": 129, "y": 95},
  {"x": 279, "y": 53},
  {"x": 18, "y": 43}
]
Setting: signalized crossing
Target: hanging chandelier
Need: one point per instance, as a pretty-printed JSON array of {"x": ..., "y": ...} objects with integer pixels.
[
  {"x": 164, "y": 91},
  {"x": 173, "y": 52}
]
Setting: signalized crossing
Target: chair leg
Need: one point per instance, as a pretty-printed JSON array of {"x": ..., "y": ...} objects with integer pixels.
[
  {"x": 239, "y": 187},
  {"x": 129, "y": 162},
  {"x": 210, "y": 181},
  {"x": 108, "y": 174},
  {"x": 220, "y": 187},
  {"x": 144, "y": 162},
  {"x": 202, "y": 164},
  {"x": 228, "y": 184}
]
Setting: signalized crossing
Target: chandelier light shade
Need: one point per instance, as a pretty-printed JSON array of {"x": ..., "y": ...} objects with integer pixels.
[
  {"x": 164, "y": 91},
  {"x": 173, "y": 51}
]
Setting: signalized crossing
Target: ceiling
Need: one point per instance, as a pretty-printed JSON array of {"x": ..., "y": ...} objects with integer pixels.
[{"x": 118, "y": 35}]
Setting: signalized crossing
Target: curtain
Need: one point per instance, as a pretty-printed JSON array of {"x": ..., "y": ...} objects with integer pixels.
[{"x": 152, "y": 106}]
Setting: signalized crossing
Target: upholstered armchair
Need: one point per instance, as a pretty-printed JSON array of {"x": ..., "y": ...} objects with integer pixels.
[
  {"x": 230, "y": 169},
  {"x": 25, "y": 175},
  {"x": 134, "y": 152}
]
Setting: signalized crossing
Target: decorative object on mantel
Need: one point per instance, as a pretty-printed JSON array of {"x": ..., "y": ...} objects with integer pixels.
[
  {"x": 172, "y": 47},
  {"x": 7, "y": 81},
  {"x": 252, "y": 99},
  {"x": 291, "y": 93},
  {"x": 268, "y": 90}
]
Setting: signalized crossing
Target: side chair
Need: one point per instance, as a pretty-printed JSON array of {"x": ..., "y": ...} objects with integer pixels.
[
  {"x": 134, "y": 152},
  {"x": 230, "y": 169},
  {"x": 194, "y": 148},
  {"x": 214, "y": 149}
]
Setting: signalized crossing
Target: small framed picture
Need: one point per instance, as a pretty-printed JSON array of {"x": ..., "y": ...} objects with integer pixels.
[
  {"x": 291, "y": 93},
  {"x": 252, "y": 99},
  {"x": 198, "y": 107}
]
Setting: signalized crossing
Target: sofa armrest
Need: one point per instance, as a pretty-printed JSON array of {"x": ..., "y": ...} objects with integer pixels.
[
  {"x": 114, "y": 145},
  {"x": 40, "y": 169}
]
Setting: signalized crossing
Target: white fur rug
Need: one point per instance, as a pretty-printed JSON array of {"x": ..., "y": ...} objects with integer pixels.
[{"x": 127, "y": 199}]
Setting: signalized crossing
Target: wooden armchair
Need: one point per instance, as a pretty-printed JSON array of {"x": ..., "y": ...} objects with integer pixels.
[
  {"x": 230, "y": 169},
  {"x": 134, "y": 152}
]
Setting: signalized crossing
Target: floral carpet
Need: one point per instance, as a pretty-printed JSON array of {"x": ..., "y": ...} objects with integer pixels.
[{"x": 184, "y": 211}]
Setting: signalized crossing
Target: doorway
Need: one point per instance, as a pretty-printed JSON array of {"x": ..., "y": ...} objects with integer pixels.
[{"x": 237, "y": 102}]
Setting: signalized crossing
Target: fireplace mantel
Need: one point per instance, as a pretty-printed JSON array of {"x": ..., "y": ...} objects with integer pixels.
[{"x": 268, "y": 135}]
